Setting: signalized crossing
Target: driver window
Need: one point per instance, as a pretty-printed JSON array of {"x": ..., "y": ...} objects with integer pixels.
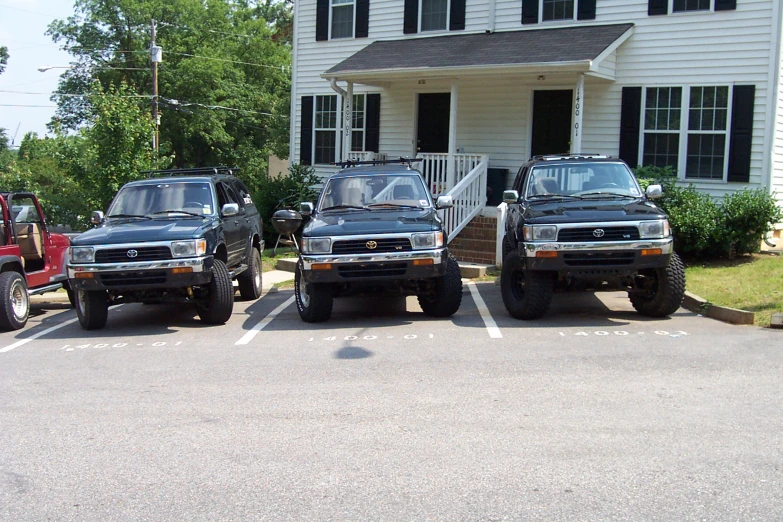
[{"x": 25, "y": 211}]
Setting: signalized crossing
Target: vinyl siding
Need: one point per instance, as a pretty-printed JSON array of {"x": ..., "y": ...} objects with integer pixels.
[
  {"x": 683, "y": 49},
  {"x": 777, "y": 143}
]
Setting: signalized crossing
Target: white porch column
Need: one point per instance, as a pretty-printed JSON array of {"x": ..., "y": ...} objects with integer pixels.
[
  {"x": 451, "y": 163},
  {"x": 347, "y": 121},
  {"x": 576, "y": 130}
]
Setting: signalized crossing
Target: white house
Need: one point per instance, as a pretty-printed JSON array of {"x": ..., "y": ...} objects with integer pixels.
[{"x": 469, "y": 85}]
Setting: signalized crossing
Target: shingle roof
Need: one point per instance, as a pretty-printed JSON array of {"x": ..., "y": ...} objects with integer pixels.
[{"x": 531, "y": 46}]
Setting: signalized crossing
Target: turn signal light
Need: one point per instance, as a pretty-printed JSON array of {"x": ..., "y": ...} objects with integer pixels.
[
  {"x": 182, "y": 270},
  {"x": 321, "y": 266},
  {"x": 423, "y": 262},
  {"x": 84, "y": 275},
  {"x": 652, "y": 252},
  {"x": 546, "y": 253}
]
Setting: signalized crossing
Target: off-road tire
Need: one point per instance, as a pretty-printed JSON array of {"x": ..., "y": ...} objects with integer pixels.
[
  {"x": 92, "y": 309},
  {"x": 527, "y": 294},
  {"x": 661, "y": 290},
  {"x": 313, "y": 300},
  {"x": 220, "y": 292},
  {"x": 250, "y": 280},
  {"x": 71, "y": 294},
  {"x": 14, "y": 301},
  {"x": 447, "y": 297}
]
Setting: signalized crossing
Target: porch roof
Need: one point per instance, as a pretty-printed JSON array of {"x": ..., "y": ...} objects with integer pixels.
[{"x": 577, "y": 48}]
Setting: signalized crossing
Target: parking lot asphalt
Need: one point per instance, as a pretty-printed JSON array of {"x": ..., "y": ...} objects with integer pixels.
[{"x": 592, "y": 412}]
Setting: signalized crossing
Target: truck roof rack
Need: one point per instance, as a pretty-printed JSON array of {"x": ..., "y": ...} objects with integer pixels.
[
  {"x": 195, "y": 171},
  {"x": 570, "y": 155},
  {"x": 348, "y": 163}
]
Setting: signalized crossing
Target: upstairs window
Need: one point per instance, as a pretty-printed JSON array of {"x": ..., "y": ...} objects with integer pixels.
[
  {"x": 342, "y": 18},
  {"x": 325, "y": 129},
  {"x": 691, "y": 5},
  {"x": 434, "y": 15},
  {"x": 557, "y": 10}
]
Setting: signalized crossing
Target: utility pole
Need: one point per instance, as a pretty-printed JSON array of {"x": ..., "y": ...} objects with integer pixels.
[{"x": 156, "y": 55}]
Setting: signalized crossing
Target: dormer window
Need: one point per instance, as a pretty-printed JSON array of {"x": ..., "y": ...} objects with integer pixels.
[
  {"x": 342, "y": 18},
  {"x": 434, "y": 15}
]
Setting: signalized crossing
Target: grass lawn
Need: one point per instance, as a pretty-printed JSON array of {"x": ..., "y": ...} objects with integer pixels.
[
  {"x": 268, "y": 261},
  {"x": 751, "y": 283}
]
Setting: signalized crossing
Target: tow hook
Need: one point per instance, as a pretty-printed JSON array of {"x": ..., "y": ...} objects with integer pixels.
[{"x": 190, "y": 292}]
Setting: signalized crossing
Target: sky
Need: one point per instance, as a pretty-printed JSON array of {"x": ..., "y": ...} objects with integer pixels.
[{"x": 22, "y": 27}]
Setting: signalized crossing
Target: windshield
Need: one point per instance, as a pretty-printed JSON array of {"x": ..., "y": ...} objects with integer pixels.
[
  {"x": 375, "y": 192},
  {"x": 162, "y": 199},
  {"x": 585, "y": 180}
]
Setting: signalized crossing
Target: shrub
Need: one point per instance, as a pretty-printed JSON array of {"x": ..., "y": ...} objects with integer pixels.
[
  {"x": 694, "y": 218},
  {"x": 746, "y": 217},
  {"x": 275, "y": 193},
  {"x": 652, "y": 175}
]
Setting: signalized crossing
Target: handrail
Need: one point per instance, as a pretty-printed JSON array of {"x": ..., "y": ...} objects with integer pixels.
[{"x": 470, "y": 196}]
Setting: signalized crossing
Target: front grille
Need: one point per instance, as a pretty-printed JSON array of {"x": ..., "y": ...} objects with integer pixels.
[
  {"x": 120, "y": 255},
  {"x": 383, "y": 245},
  {"x": 372, "y": 270},
  {"x": 599, "y": 258},
  {"x": 586, "y": 234},
  {"x": 146, "y": 277}
]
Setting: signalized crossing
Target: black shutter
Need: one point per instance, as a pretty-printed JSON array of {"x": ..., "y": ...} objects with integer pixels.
[
  {"x": 322, "y": 20},
  {"x": 586, "y": 10},
  {"x": 457, "y": 15},
  {"x": 529, "y": 11},
  {"x": 410, "y": 20},
  {"x": 373, "y": 122},
  {"x": 630, "y": 116},
  {"x": 306, "y": 137},
  {"x": 658, "y": 7},
  {"x": 741, "y": 132},
  {"x": 362, "y": 18},
  {"x": 725, "y": 5}
]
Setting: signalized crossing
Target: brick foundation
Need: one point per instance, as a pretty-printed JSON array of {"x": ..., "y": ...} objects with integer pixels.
[{"x": 476, "y": 242}]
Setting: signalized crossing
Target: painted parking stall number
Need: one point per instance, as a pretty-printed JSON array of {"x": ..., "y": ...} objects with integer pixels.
[
  {"x": 407, "y": 337},
  {"x": 621, "y": 333},
  {"x": 156, "y": 344}
]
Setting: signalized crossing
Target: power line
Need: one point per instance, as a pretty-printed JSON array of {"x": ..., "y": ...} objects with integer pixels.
[
  {"x": 15, "y": 105},
  {"x": 182, "y": 103},
  {"x": 79, "y": 95},
  {"x": 281, "y": 67},
  {"x": 48, "y": 15}
]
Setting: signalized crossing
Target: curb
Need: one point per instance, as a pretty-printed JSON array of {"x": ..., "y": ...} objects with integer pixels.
[{"x": 699, "y": 305}]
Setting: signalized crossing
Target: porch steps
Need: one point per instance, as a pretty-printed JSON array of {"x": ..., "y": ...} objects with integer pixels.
[{"x": 476, "y": 242}]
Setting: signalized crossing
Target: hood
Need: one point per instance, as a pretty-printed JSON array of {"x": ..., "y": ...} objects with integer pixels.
[
  {"x": 140, "y": 230},
  {"x": 372, "y": 222},
  {"x": 570, "y": 211}
]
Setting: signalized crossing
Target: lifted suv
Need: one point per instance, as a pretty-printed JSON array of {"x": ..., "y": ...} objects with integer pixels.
[
  {"x": 376, "y": 228},
  {"x": 178, "y": 236},
  {"x": 581, "y": 222}
]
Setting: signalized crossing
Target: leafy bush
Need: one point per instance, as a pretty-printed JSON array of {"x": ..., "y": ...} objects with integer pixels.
[
  {"x": 694, "y": 218},
  {"x": 277, "y": 192},
  {"x": 747, "y": 216},
  {"x": 652, "y": 175}
]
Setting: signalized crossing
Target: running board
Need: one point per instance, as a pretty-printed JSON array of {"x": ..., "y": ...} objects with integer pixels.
[
  {"x": 44, "y": 289},
  {"x": 238, "y": 270}
]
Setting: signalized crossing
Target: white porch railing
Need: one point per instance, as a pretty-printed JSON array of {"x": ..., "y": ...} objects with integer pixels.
[
  {"x": 434, "y": 168},
  {"x": 364, "y": 155},
  {"x": 470, "y": 196}
]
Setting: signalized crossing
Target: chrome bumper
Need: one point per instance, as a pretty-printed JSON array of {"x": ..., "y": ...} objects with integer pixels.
[
  {"x": 437, "y": 257},
  {"x": 197, "y": 264},
  {"x": 666, "y": 246}
]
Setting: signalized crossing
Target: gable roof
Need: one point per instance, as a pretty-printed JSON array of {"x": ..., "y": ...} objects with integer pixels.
[{"x": 576, "y": 45}]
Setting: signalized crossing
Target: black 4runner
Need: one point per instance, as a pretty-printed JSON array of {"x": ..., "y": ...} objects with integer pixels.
[
  {"x": 179, "y": 236},
  {"x": 376, "y": 228},
  {"x": 581, "y": 222}
]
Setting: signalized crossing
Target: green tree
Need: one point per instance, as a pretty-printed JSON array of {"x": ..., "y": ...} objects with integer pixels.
[{"x": 3, "y": 58}]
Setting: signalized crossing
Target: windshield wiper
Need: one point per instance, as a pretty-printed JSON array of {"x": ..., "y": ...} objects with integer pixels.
[
  {"x": 612, "y": 194},
  {"x": 178, "y": 212},
  {"x": 343, "y": 207},
  {"x": 391, "y": 205},
  {"x": 541, "y": 196},
  {"x": 128, "y": 216}
]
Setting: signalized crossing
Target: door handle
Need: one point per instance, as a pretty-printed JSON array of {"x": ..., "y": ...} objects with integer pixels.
[{"x": 236, "y": 222}]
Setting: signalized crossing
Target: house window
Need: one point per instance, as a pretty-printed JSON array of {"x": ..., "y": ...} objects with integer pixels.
[
  {"x": 662, "y": 114},
  {"x": 325, "y": 128},
  {"x": 358, "y": 122},
  {"x": 342, "y": 18},
  {"x": 434, "y": 15},
  {"x": 691, "y": 5},
  {"x": 557, "y": 10},
  {"x": 707, "y": 130}
]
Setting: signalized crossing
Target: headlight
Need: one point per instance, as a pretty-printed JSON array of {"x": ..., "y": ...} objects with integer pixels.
[
  {"x": 82, "y": 254},
  {"x": 316, "y": 245},
  {"x": 427, "y": 240},
  {"x": 191, "y": 248},
  {"x": 540, "y": 232},
  {"x": 654, "y": 229}
]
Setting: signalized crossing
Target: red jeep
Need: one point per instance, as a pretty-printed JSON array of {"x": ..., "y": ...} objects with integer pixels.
[{"x": 32, "y": 259}]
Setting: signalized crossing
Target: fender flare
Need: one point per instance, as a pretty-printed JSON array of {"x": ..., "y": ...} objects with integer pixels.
[{"x": 12, "y": 264}]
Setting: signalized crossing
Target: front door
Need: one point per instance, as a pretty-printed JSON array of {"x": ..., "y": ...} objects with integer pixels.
[
  {"x": 551, "y": 122},
  {"x": 433, "y": 123}
]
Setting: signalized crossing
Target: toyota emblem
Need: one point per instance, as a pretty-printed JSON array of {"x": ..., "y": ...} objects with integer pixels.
[
  {"x": 372, "y": 245},
  {"x": 132, "y": 253},
  {"x": 598, "y": 232}
]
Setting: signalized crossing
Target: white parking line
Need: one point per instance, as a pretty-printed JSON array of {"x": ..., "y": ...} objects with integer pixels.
[
  {"x": 492, "y": 327},
  {"x": 17, "y": 344},
  {"x": 265, "y": 321}
]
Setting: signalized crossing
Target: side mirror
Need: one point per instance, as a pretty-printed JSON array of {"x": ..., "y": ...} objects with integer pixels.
[
  {"x": 306, "y": 209},
  {"x": 444, "y": 202},
  {"x": 230, "y": 209},
  {"x": 510, "y": 196},
  {"x": 654, "y": 191},
  {"x": 96, "y": 218}
]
